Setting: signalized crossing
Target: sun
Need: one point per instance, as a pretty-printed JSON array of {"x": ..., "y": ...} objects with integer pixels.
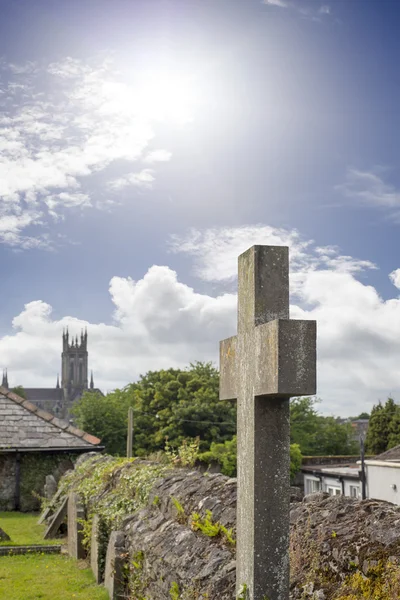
[{"x": 166, "y": 96}]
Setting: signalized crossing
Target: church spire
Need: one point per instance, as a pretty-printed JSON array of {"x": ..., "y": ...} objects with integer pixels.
[
  {"x": 91, "y": 381},
  {"x": 58, "y": 381},
  {"x": 5, "y": 379}
]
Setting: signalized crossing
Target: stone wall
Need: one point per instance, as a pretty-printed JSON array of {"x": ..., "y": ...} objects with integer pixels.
[
  {"x": 179, "y": 543},
  {"x": 7, "y": 482},
  {"x": 34, "y": 467}
]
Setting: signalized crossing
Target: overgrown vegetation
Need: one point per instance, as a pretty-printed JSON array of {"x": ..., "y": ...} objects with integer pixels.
[
  {"x": 184, "y": 405},
  {"x": 176, "y": 404},
  {"x": 212, "y": 528}
]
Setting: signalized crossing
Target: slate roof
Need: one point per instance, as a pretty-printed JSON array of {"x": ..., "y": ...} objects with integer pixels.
[
  {"x": 26, "y": 427},
  {"x": 390, "y": 455}
]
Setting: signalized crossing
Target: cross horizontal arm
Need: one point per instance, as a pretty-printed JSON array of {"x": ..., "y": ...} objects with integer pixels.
[
  {"x": 285, "y": 353},
  {"x": 228, "y": 366}
]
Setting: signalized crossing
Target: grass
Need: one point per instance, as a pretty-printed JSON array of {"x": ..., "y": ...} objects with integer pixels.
[
  {"x": 47, "y": 577},
  {"x": 23, "y": 529}
]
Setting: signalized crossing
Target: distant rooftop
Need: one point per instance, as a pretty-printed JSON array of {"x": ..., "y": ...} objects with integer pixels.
[{"x": 335, "y": 470}]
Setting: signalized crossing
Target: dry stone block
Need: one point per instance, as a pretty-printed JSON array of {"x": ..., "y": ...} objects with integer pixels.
[
  {"x": 50, "y": 487},
  {"x": 57, "y": 520},
  {"x": 94, "y": 550},
  {"x": 48, "y": 511},
  {"x": 115, "y": 560},
  {"x": 75, "y": 528}
]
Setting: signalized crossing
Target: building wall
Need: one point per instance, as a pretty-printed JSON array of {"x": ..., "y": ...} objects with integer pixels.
[
  {"x": 331, "y": 484},
  {"x": 34, "y": 467},
  {"x": 380, "y": 480}
]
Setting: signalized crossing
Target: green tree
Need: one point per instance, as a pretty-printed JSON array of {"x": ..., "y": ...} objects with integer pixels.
[
  {"x": 175, "y": 404},
  {"x": 19, "y": 390},
  {"x": 316, "y": 434},
  {"x": 225, "y": 455},
  {"x": 379, "y": 428},
  {"x": 363, "y": 415},
  {"x": 304, "y": 424}
]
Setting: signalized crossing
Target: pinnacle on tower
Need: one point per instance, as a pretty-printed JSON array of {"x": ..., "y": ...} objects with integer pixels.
[
  {"x": 58, "y": 381},
  {"x": 5, "y": 379},
  {"x": 91, "y": 381}
]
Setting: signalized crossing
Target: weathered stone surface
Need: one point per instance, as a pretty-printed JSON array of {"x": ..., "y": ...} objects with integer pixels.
[
  {"x": 50, "y": 487},
  {"x": 75, "y": 534},
  {"x": 95, "y": 550},
  {"x": 114, "y": 580},
  {"x": 57, "y": 520},
  {"x": 4, "y": 537},
  {"x": 333, "y": 536},
  {"x": 50, "y": 509},
  {"x": 271, "y": 359},
  {"x": 171, "y": 550}
]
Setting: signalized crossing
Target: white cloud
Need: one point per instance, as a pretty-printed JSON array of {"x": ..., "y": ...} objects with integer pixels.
[
  {"x": 157, "y": 156},
  {"x": 280, "y": 3},
  {"x": 160, "y": 321},
  {"x": 369, "y": 188},
  {"x": 308, "y": 12},
  {"x": 358, "y": 332},
  {"x": 143, "y": 179},
  {"x": 61, "y": 125},
  {"x": 325, "y": 10},
  {"x": 395, "y": 278}
]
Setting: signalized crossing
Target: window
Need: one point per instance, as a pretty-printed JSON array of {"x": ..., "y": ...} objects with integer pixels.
[
  {"x": 312, "y": 486},
  {"x": 334, "y": 491},
  {"x": 354, "y": 491}
]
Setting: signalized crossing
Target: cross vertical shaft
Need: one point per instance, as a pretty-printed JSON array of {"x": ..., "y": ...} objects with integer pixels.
[{"x": 269, "y": 360}]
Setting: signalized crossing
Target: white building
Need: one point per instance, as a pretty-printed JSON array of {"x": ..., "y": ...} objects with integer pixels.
[
  {"x": 383, "y": 476},
  {"x": 336, "y": 480}
]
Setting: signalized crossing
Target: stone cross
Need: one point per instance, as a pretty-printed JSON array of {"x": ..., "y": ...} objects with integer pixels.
[{"x": 271, "y": 359}]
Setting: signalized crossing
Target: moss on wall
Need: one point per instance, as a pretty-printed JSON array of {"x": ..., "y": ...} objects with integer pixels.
[{"x": 34, "y": 467}]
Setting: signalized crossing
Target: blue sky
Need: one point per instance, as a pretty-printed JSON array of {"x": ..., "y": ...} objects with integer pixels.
[{"x": 143, "y": 145}]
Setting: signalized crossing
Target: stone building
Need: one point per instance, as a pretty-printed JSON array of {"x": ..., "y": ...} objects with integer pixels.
[
  {"x": 34, "y": 444},
  {"x": 74, "y": 379}
]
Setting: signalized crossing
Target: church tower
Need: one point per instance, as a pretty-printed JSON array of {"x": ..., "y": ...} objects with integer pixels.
[{"x": 74, "y": 363}]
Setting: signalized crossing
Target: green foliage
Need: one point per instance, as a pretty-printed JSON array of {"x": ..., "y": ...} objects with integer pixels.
[
  {"x": 363, "y": 415},
  {"x": 225, "y": 455},
  {"x": 296, "y": 459},
  {"x": 19, "y": 390},
  {"x": 111, "y": 488},
  {"x": 175, "y": 404},
  {"x": 34, "y": 468},
  {"x": 174, "y": 591},
  {"x": 180, "y": 511},
  {"x": 318, "y": 435},
  {"x": 186, "y": 455},
  {"x": 382, "y": 582},
  {"x": 243, "y": 592},
  {"x": 210, "y": 528},
  {"x": 384, "y": 427}
]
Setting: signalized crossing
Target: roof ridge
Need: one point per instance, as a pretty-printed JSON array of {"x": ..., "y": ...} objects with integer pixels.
[{"x": 46, "y": 416}]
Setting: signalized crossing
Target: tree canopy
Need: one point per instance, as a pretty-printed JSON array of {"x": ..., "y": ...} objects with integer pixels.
[
  {"x": 384, "y": 427},
  {"x": 175, "y": 404},
  {"x": 181, "y": 404},
  {"x": 319, "y": 435}
]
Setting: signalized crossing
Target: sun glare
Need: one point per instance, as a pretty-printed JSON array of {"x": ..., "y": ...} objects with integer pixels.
[{"x": 166, "y": 96}]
